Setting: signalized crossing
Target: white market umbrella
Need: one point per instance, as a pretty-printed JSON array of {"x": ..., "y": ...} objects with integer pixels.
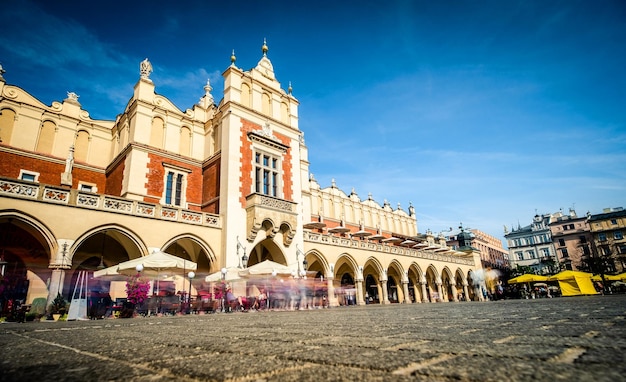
[
  {"x": 232, "y": 273},
  {"x": 158, "y": 262},
  {"x": 266, "y": 267},
  {"x": 155, "y": 263}
]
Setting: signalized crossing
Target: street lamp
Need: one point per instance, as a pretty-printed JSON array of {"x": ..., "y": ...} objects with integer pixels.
[
  {"x": 244, "y": 258},
  {"x": 191, "y": 276},
  {"x": 304, "y": 262},
  {"x": 139, "y": 268},
  {"x": 224, "y": 271}
]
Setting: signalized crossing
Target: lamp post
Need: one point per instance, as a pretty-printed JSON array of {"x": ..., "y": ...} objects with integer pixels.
[
  {"x": 244, "y": 258},
  {"x": 224, "y": 271},
  {"x": 298, "y": 253},
  {"x": 191, "y": 276}
]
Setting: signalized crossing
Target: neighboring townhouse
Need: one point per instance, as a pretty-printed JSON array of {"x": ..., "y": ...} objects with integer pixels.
[
  {"x": 609, "y": 245},
  {"x": 531, "y": 246},
  {"x": 492, "y": 252},
  {"x": 572, "y": 240}
]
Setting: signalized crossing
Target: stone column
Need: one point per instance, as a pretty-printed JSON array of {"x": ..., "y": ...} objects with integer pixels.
[
  {"x": 56, "y": 284},
  {"x": 405, "y": 287},
  {"x": 332, "y": 299},
  {"x": 383, "y": 285},
  {"x": 465, "y": 291},
  {"x": 424, "y": 292},
  {"x": 455, "y": 297},
  {"x": 359, "y": 292},
  {"x": 416, "y": 293},
  {"x": 439, "y": 290}
]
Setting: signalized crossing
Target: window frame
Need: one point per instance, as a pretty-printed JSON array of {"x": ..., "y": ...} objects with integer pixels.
[
  {"x": 174, "y": 186},
  {"x": 28, "y": 173}
]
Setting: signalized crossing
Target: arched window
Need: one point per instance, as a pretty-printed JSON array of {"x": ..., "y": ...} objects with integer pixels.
[
  {"x": 245, "y": 95},
  {"x": 46, "y": 137},
  {"x": 185, "y": 141},
  {"x": 7, "y": 121},
  {"x": 284, "y": 112},
  {"x": 156, "y": 133},
  {"x": 81, "y": 147},
  {"x": 266, "y": 104}
]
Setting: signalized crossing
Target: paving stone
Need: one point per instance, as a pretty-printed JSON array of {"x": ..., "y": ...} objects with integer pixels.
[{"x": 570, "y": 339}]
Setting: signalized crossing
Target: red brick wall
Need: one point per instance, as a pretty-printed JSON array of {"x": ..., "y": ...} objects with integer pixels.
[
  {"x": 115, "y": 177},
  {"x": 49, "y": 172},
  {"x": 155, "y": 180},
  {"x": 211, "y": 187}
]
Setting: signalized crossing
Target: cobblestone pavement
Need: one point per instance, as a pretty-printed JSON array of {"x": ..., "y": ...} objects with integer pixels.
[{"x": 570, "y": 339}]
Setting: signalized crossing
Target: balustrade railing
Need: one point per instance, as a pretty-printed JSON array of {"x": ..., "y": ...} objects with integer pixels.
[
  {"x": 50, "y": 194},
  {"x": 380, "y": 247}
]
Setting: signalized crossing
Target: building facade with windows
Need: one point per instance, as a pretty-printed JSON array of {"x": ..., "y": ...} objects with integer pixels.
[
  {"x": 608, "y": 230},
  {"x": 222, "y": 184},
  {"x": 531, "y": 246},
  {"x": 572, "y": 240},
  {"x": 492, "y": 252}
]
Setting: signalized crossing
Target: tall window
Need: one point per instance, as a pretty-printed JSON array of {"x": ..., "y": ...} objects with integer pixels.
[
  {"x": 174, "y": 188},
  {"x": 617, "y": 235},
  {"x": 266, "y": 174},
  {"x": 545, "y": 252},
  {"x": 564, "y": 252}
]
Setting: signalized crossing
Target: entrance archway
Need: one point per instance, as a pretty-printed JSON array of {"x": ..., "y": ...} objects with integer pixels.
[
  {"x": 371, "y": 288},
  {"x": 392, "y": 290}
]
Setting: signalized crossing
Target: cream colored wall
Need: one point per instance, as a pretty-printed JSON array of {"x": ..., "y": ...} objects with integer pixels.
[{"x": 334, "y": 204}]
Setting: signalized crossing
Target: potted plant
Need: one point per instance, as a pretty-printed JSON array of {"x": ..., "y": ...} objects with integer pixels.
[
  {"x": 137, "y": 289},
  {"x": 58, "y": 307}
]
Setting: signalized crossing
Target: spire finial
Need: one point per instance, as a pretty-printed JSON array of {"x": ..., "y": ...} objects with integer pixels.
[
  {"x": 233, "y": 58},
  {"x": 289, "y": 89},
  {"x": 264, "y": 48}
]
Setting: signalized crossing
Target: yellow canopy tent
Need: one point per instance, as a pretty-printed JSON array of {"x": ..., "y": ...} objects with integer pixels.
[
  {"x": 574, "y": 283},
  {"x": 607, "y": 277},
  {"x": 527, "y": 278}
]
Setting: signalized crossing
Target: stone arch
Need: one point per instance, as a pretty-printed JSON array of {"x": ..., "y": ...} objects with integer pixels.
[
  {"x": 81, "y": 145},
  {"x": 129, "y": 244},
  {"x": 474, "y": 286},
  {"x": 185, "y": 141},
  {"x": 245, "y": 94},
  {"x": 29, "y": 247},
  {"x": 316, "y": 262},
  {"x": 433, "y": 283},
  {"x": 191, "y": 247},
  {"x": 266, "y": 104},
  {"x": 345, "y": 276},
  {"x": 395, "y": 278},
  {"x": 448, "y": 288},
  {"x": 7, "y": 122},
  {"x": 416, "y": 276},
  {"x": 157, "y": 132},
  {"x": 461, "y": 283},
  {"x": 35, "y": 227},
  {"x": 288, "y": 232},
  {"x": 372, "y": 276},
  {"x": 45, "y": 140},
  {"x": 266, "y": 249},
  {"x": 284, "y": 112}
]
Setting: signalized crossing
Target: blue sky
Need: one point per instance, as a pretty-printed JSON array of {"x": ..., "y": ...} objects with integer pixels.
[{"x": 481, "y": 112}]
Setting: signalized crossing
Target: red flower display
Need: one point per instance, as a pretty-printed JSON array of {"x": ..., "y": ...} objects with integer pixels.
[{"x": 137, "y": 289}]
